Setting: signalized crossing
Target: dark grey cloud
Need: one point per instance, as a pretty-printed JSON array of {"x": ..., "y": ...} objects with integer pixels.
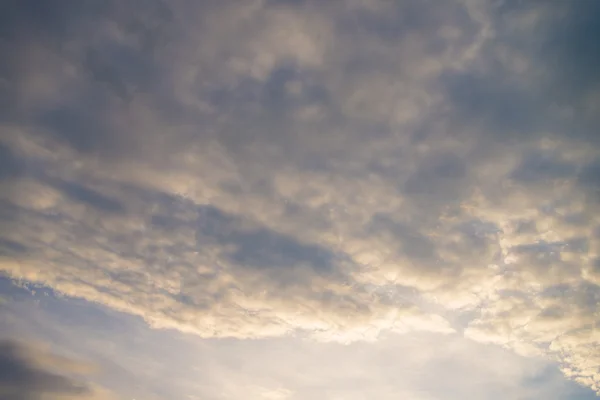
[
  {"x": 393, "y": 22},
  {"x": 411, "y": 243},
  {"x": 245, "y": 242},
  {"x": 440, "y": 180},
  {"x": 259, "y": 247},
  {"x": 80, "y": 193},
  {"x": 589, "y": 178},
  {"x": 505, "y": 110},
  {"x": 10, "y": 163},
  {"x": 26, "y": 24},
  {"x": 539, "y": 167},
  {"x": 568, "y": 45},
  {"x": 22, "y": 379},
  {"x": 49, "y": 20},
  {"x": 553, "y": 97},
  {"x": 9, "y": 247},
  {"x": 45, "y": 41},
  {"x": 83, "y": 125}
]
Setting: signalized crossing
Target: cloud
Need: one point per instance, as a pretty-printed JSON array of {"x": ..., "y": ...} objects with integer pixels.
[
  {"x": 293, "y": 168},
  {"x": 25, "y": 374},
  {"x": 140, "y": 362}
]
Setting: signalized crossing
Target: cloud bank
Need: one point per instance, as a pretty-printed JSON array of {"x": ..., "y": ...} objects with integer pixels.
[
  {"x": 333, "y": 171},
  {"x": 24, "y": 375}
]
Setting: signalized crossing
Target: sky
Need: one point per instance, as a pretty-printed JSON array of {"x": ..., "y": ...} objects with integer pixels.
[{"x": 299, "y": 199}]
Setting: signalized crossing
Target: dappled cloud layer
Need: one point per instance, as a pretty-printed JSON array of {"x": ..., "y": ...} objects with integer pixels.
[{"x": 335, "y": 170}]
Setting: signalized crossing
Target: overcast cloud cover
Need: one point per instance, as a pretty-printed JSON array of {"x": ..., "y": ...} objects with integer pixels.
[{"x": 364, "y": 181}]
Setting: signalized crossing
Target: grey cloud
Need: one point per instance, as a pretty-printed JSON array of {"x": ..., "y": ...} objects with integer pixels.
[
  {"x": 474, "y": 239},
  {"x": 81, "y": 193},
  {"x": 538, "y": 167},
  {"x": 245, "y": 243},
  {"x": 572, "y": 51},
  {"x": 26, "y": 24},
  {"x": 518, "y": 106},
  {"x": 21, "y": 378},
  {"x": 589, "y": 179},
  {"x": 405, "y": 18},
  {"x": 130, "y": 66},
  {"x": 412, "y": 243},
  {"x": 11, "y": 166},
  {"x": 261, "y": 248},
  {"x": 97, "y": 72},
  {"x": 504, "y": 110},
  {"x": 83, "y": 126},
  {"x": 86, "y": 125},
  {"x": 47, "y": 21},
  {"x": 10, "y": 247},
  {"x": 525, "y": 227},
  {"x": 439, "y": 180}
]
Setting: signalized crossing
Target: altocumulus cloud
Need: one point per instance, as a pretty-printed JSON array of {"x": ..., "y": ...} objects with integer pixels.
[{"x": 335, "y": 170}]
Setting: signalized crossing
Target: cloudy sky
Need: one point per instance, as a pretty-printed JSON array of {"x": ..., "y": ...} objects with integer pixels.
[{"x": 299, "y": 199}]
